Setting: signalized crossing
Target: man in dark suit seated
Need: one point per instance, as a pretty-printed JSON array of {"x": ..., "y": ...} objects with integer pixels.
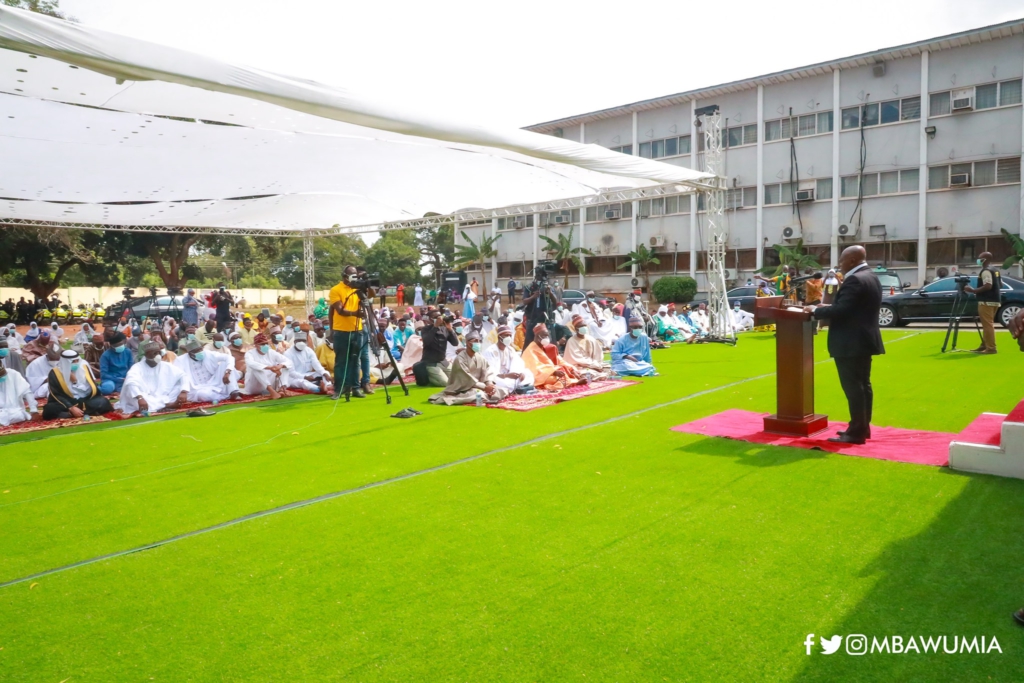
[{"x": 854, "y": 338}]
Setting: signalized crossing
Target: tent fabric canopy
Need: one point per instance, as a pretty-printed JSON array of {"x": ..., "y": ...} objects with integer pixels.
[{"x": 100, "y": 128}]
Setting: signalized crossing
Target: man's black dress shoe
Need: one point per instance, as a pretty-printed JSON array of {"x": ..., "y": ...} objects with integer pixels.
[{"x": 846, "y": 439}]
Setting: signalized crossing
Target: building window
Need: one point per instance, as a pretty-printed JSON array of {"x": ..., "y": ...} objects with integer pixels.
[
  {"x": 910, "y": 108},
  {"x": 873, "y": 114},
  {"x": 869, "y": 114},
  {"x": 741, "y": 197},
  {"x": 1009, "y": 93},
  {"x": 981, "y": 173},
  {"x": 823, "y": 189},
  {"x": 797, "y": 126},
  {"x": 625, "y": 149},
  {"x": 825, "y": 121},
  {"x": 986, "y": 96},
  {"x": 939, "y": 104},
  {"x": 890, "y": 111},
  {"x": 666, "y": 147},
  {"x": 888, "y": 182},
  {"x": 851, "y": 118},
  {"x": 778, "y": 193},
  {"x": 515, "y": 222},
  {"x": 910, "y": 180},
  {"x": 850, "y": 186},
  {"x": 738, "y": 136},
  {"x": 598, "y": 213}
]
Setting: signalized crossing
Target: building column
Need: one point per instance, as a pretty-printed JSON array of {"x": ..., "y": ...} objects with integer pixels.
[
  {"x": 536, "y": 239},
  {"x": 636, "y": 205},
  {"x": 836, "y": 126},
  {"x": 494, "y": 259},
  {"x": 583, "y": 214},
  {"x": 759, "y": 221},
  {"x": 693, "y": 197},
  {"x": 922, "y": 178}
]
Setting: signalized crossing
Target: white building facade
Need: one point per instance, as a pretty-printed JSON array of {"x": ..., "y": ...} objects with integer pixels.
[{"x": 913, "y": 151}]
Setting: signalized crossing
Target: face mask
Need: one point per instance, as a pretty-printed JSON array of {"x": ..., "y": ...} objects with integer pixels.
[
  {"x": 163, "y": 352},
  {"x": 52, "y": 363},
  {"x": 486, "y": 318},
  {"x": 506, "y": 341},
  {"x": 218, "y": 344},
  {"x": 590, "y": 298},
  {"x": 236, "y": 342},
  {"x": 3, "y": 379},
  {"x": 476, "y": 347},
  {"x": 582, "y": 329},
  {"x": 979, "y": 261},
  {"x": 736, "y": 307},
  {"x": 458, "y": 330},
  {"x": 636, "y": 332},
  {"x": 4, "y": 353},
  {"x": 152, "y": 362},
  {"x": 542, "y": 340},
  {"x": 561, "y": 308},
  {"x": 297, "y": 328},
  {"x": 278, "y": 337},
  {"x": 75, "y": 366},
  {"x": 617, "y": 317},
  {"x": 264, "y": 348},
  {"x": 191, "y": 337},
  {"x": 300, "y": 346}
]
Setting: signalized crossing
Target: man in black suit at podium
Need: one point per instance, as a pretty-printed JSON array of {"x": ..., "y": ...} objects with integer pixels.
[{"x": 853, "y": 338}]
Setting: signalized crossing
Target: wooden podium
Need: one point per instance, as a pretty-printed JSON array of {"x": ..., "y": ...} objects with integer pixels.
[{"x": 794, "y": 362}]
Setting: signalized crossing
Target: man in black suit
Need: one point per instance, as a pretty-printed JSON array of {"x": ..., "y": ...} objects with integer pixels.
[{"x": 853, "y": 338}]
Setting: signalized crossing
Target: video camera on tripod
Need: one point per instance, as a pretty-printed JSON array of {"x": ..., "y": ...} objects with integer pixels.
[
  {"x": 961, "y": 281},
  {"x": 363, "y": 282}
]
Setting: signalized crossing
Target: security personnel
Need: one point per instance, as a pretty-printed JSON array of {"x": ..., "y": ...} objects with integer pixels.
[{"x": 987, "y": 292}]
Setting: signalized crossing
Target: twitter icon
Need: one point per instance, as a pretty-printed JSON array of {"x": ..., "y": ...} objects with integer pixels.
[{"x": 829, "y": 646}]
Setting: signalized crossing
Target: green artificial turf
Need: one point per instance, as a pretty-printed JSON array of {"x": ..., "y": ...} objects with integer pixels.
[{"x": 621, "y": 551}]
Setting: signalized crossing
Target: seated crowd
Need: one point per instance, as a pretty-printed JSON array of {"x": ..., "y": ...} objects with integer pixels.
[{"x": 140, "y": 369}]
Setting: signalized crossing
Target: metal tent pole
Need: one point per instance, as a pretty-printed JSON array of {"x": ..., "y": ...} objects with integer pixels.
[
  {"x": 309, "y": 261},
  {"x": 718, "y": 234}
]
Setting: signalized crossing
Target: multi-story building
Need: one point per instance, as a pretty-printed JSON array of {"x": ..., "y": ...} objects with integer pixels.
[{"x": 913, "y": 151}]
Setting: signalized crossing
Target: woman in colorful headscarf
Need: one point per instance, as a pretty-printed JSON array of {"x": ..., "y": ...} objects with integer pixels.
[
  {"x": 33, "y": 332},
  {"x": 320, "y": 310},
  {"x": 542, "y": 360}
]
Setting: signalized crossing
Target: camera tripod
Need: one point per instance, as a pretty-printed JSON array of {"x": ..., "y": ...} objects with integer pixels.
[
  {"x": 955, "y": 314},
  {"x": 372, "y": 332}
]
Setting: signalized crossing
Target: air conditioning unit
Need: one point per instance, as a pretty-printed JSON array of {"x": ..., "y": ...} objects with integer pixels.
[
  {"x": 562, "y": 220},
  {"x": 519, "y": 222},
  {"x": 791, "y": 233},
  {"x": 878, "y": 70},
  {"x": 730, "y": 274},
  {"x": 963, "y": 99},
  {"x": 657, "y": 240},
  {"x": 804, "y": 196},
  {"x": 612, "y": 214},
  {"x": 848, "y": 231},
  {"x": 960, "y": 180}
]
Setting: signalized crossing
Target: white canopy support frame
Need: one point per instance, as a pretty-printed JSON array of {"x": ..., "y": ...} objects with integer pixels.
[
  {"x": 193, "y": 145},
  {"x": 309, "y": 262},
  {"x": 718, "y": 235}
]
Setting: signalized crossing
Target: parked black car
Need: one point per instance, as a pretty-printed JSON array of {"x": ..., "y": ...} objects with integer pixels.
[
  {"x": 745, "y": 295},
  {"x": 146, "y": 307},
  {"x": 934, "y": 303},
  {"x": 890, "y": 281}
]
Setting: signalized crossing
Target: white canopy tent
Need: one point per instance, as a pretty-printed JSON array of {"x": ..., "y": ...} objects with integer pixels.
[{"x": 103, "y": 131}]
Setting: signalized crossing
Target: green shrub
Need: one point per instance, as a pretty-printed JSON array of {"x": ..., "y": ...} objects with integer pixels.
[{"x": 674, "y": 289}]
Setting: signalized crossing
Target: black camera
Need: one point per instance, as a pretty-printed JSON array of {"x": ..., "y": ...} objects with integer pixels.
[
  {"x": 365, "y": 281},
  {"x": 175, "y": 291},
  {"x": 127, "y": 293},
  {"x": 962, "y": 281},
  {"x": 544, "y": 269}
]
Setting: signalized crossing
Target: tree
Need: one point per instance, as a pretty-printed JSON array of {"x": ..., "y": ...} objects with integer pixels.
[
  {"x": 674, "y": 289},
  {"x": 561, "y": 250},
  {"x": 395, "y": 257},
  {"x": 48, "y": 7},
  {"x": 169, "y": 253},
  {"x": 1017, "y": 244},
  {"x": 437, "y": 248},
  {"x": 472, "y": 252},
  {"x": 643, "y": 258},
  {"x": 794, "y": 256},
  {"x": 331, "y": 254},
  {"x": 39, "y": 259}
]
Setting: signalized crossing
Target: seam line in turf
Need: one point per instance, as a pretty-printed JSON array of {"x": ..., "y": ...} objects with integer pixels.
[{"x": 383, "y": 482}]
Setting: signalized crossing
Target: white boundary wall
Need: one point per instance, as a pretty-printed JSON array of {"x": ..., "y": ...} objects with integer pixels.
[{"x": 112, "y": 295}]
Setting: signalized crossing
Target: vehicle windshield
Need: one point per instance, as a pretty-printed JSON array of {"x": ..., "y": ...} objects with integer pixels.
[{"x": 889, "y": 280}]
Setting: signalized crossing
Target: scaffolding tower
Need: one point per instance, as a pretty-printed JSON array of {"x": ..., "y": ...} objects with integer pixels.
[{"x": 719, "y": 316}]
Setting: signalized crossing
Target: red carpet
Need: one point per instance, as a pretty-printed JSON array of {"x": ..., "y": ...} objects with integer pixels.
[{"x": 887, "y": 443}]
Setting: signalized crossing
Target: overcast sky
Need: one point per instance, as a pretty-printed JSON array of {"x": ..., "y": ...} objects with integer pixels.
[{"x": 529, "y": 61}]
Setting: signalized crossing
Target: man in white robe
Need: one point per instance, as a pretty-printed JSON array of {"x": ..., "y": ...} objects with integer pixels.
[
  {"x": 470, "y": 378},
  {"x": 585, "y": 353},
  {"x": 507, "y": 366},
  {"x": 152, "y": 386},
  {"x": 219, "y": 344},
  {"x": 209, "y": 377},
  {"x": 741, "y": 320},
  {"x": 306, "y": 371},
  {"x": 594, "y": 319},
  {"x": 17, "y": 402},
  {"x": 266, "y": 370},
  {"x": 39, "y": 369},
  {"x": 9, "y": 358}
]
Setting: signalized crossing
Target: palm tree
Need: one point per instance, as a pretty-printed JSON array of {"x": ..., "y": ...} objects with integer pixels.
[
  {"x": 643, "y": 258},
  {"x": 472, "y": 252},
  {"x": 1017, "y": 257},
  {"x": 794, "y": 256},
  {"x": 561, "y": 250}
]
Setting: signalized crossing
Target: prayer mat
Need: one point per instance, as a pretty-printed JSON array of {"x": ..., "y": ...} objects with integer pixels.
[
  {"x": 42, "y": 425},
  {"x": 526, "y": 402},
  {"x": 886, "y": 443}
]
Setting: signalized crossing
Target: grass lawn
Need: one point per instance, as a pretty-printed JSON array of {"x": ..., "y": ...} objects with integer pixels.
[{"x": 588, "y": 543}]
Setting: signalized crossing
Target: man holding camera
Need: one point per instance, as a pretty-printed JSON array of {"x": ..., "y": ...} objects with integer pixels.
[
  {"x": 222, "y": 301},
  {"x": 987, "y": 293},
  {"x": 432, "y": 370},
  {"x": 347, "y": 326},
  {"x": 538, "y": 300}
]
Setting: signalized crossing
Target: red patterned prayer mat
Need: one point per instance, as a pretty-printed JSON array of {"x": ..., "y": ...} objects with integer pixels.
[
  {"x": 542, "y": 399},
  {"x": 116, "y": 415}
]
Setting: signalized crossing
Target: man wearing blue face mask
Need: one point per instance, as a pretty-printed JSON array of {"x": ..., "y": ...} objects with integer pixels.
[
  {"x": 631, "y": 354},
  {"x": 115, "y": 363},
  {"x": 208, "y": 376},
  {"x": 470, "y": 378}
]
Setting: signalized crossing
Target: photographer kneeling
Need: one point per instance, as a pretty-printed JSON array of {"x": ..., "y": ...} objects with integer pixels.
[
  {"x": 987, "y": 293},
  {"x": 432, "y": 371}
]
